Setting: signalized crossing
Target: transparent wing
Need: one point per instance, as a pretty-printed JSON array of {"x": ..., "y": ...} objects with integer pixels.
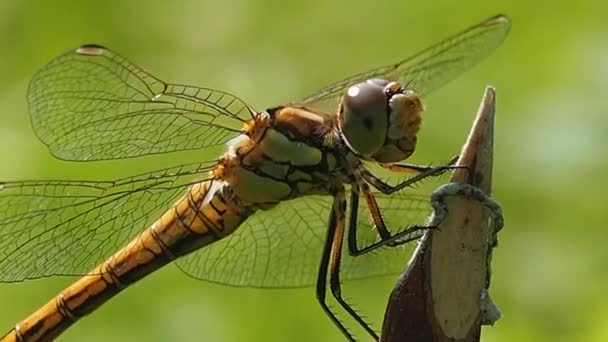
[
  {"x": 68, "y": 227},
  {"x": 92, "y": 104},
  {"x": 282, "y": 247},
  {"x": 430, "y": 68}
]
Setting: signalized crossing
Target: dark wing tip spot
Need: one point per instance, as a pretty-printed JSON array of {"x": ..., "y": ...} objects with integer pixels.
[{"x": 91, "y": 50}]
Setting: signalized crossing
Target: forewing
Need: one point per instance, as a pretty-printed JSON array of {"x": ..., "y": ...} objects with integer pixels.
[
  {"x": 68, "y": 227},
  {"x": 430, "y": 68},
  {"x": 92, "y": 104}
]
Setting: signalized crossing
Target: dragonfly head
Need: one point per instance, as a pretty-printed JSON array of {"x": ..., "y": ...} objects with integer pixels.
[{"x": 379, "y": 120}]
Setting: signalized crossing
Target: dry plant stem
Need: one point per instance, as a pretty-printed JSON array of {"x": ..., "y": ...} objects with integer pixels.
[{"x": 443, "y": 294}]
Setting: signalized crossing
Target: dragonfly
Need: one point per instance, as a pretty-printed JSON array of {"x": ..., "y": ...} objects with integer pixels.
[{"x": 298, "y": 197}]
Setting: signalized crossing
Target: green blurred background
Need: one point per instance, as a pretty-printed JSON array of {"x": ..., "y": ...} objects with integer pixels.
[{"x": 551, "y": 270}]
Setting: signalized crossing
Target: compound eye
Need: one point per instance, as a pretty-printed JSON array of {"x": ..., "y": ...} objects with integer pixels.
[
  {"x": 378, "y": 81},
  {"x": 364, "y": 117}
]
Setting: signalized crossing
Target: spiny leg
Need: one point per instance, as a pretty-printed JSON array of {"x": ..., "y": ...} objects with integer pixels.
[
  {"x": 419, "y": 172},
  {"x": 386, "y": 238},
  {"x": 412, "y": 169},
  {"x": 440, "y": 213},
  {"x": 327, "y": 258},
  {"x": 359, "y": 179},
  {"x": 389, "y": 189},
  {"x": 415, "y": 169},
  {"x": 374, "y": 211},
  {"x": 333, "y": 248},
  {"x": 352, "y": 221},
  {"x": 335, "y": 262}
]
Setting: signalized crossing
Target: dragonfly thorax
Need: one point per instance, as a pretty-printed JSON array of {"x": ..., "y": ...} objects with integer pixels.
[{"x": 379, "y": 120}]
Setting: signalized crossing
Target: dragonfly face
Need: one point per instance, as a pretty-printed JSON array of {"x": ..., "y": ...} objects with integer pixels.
[
  {"x": 379, "y": 120},
  {"x": 283, "y": 181}
]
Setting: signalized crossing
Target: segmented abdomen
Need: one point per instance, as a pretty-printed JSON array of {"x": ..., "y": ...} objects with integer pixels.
[{"x": 205, "y": 214}]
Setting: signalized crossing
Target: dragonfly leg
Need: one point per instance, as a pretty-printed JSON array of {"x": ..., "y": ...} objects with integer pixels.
[
  {"x": 327, "y": 259},
  {"x": 414, "y": 232},
  {"x": 331, "y": 261},
  {"x": 335, "y": 262},
  {"x": 413, "y": 169},
  {"x": 419, "y": 172},
  {"x": 386, "y": 238}
]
